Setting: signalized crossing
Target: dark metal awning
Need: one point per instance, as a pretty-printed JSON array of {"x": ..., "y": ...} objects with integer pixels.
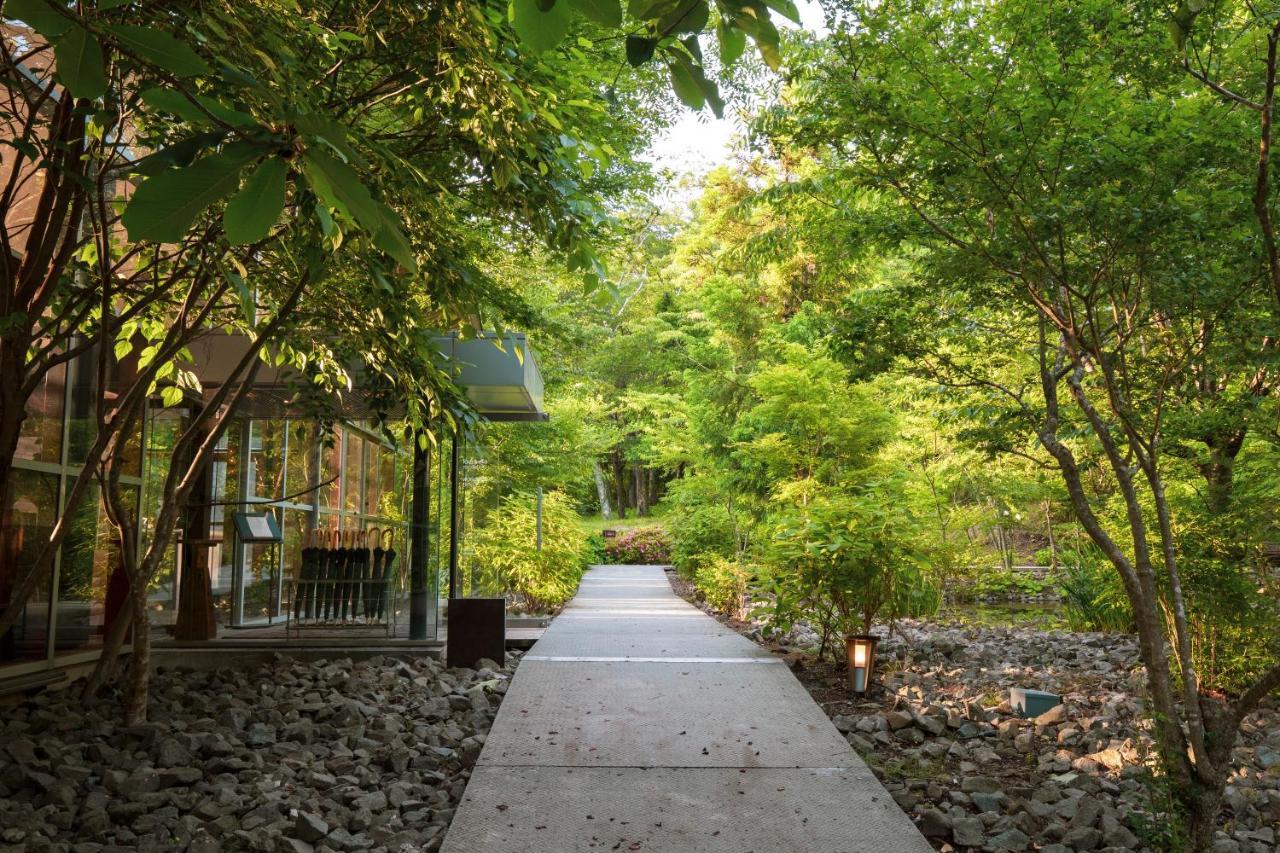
[{"x": 499, "y": 374}]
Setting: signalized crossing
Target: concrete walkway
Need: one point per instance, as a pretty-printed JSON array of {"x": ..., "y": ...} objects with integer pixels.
[{"x": 639, "y": 723}]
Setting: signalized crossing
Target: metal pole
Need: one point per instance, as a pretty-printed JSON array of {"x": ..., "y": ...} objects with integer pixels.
[
  {"x": 539, "y": 518},
  {"x": 419, "y": 541},
  {"x": 453, "y": 516}
]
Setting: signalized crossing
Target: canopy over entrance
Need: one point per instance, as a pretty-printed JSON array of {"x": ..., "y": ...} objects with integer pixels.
[{"x": 499, "y": 374}]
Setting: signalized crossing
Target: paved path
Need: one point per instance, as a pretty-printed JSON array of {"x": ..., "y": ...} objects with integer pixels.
[{"x": 639, "y": 723}]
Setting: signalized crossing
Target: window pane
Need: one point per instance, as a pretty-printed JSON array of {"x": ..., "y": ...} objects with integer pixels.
[
  {"x": 166, "y": 426},
  {"x": 354, "y": 473},
  {"x": 34, "y": 501},
  {"x": 266, "y": 450},
  {"x": 82, "y": 427},
  {"x": 89, "y": 559},
  {"x": 330, "y": 468},
  {"x": 300, "y": 466},
  {"x": 373, "y": 482},
  {"x": 41, "y": 436},
  {"x": 226, "y": 494}
]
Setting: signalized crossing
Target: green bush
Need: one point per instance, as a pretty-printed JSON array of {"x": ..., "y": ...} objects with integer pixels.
[
  {"x": 845, "y": 560},
  {"x": 595, "y": 549},
  {"x": 644, "y": 546},
  {"x": 722, "y": 583},
  {"x": 1006, "y": 583},
  {"x": 510, "y": 563},
  {"x": 1094, "y": 598},
  {"x": 700, "y": 525}
]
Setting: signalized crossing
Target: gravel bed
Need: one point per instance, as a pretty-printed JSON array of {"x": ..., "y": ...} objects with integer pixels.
[
  {"x": 292, "y": 756},
  {"x": 942, "y": 738}
]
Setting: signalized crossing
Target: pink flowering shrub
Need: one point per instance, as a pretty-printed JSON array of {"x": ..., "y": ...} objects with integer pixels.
[{"x": 644, "y": 546}]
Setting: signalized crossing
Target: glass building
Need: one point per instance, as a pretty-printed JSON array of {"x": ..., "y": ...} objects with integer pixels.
[{"x": 347, "y": 477}]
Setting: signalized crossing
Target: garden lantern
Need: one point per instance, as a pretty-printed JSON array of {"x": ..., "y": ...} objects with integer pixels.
[{"x": 861, "y": 652}]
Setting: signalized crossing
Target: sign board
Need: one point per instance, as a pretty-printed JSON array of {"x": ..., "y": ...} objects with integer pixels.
[
  {"x": 254, "y": 527},
  {"x": 608, "y": 534}
]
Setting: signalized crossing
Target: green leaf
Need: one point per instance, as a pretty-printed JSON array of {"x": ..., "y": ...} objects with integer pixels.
[
  {"x": 180, "y": 153},
  {"x": 39, "y": 16},
  {"x": 170, "y": 396},
  {"x": 733, "y": 42},
  {"x": 174, "y": 102},
  {"x": 640, "y": 50},
  {"x": 164, "y": 206},
  {"x": 712, "y": 93},
  {"x": 786, "y": 8},
  {"x": 338, "y": 185},
  {"x": 605, "y": 12},
  {"x": 392, "y": 240},
  {"x": 686, "y": 85},
  {"x": 160, "y": 49},
  {"x": 252, "y": 211},
  {"x": 540, "y": 30},
  {"x": 690, "y": 16},
  {"x": 328, "y": 131},
  {"x": 80, "y": 63}
]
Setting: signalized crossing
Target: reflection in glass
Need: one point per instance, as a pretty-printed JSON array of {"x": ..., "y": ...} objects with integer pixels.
[
  {"x": 40, "y": 439},
  {"x": 225, "y": 477},
  {"x": 354, "y": 473},
  {"x": 301, "y": 461},
  {"x": 166, "y": 426},
  {"x": 89, "y": 558},
  {"x": 266, "y": 453},
  {"x": 35, "y": 496},
  {"x": 330, "y": 466}
]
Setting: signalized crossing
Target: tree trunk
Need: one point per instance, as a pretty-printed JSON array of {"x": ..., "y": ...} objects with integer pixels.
[
  {"x": 641, "y": 490},
  {"x": 135, "y": 700},
  {"x": 619, "y": 483},
  {"x": 602, "y": 491}
]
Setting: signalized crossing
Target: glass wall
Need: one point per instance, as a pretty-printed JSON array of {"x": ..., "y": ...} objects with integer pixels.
[
  {"x": 74, "y": 600},
  {"x": 344, "y": 478}
]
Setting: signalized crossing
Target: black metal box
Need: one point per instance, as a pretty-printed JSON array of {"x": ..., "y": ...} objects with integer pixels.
[{"x": 477, "y": 629}]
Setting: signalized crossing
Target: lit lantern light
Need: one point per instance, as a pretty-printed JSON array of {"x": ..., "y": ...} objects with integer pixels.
[{"x": 861, "y": 651}]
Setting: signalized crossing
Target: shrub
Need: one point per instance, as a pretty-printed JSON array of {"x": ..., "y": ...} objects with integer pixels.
[
  {"x": 1007, "y": 583},
  {"x": 646, "y": 546},
  {"x": 700, "y": 526},
  {"x": 1095, "y": 600},
  {"x": 845, "y": 560},
  {"x": 510, "y": 563},
  {"x": 722, "y": 583},
  {"x": 595, "y": 549}
]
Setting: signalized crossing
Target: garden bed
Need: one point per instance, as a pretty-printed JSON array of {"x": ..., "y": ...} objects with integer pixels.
[
  {"x": 940, "y": 736},
  {"x": 290, "y": 756}
]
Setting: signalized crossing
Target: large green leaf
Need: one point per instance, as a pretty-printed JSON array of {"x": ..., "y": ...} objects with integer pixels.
[
  {"x": 786, "y": 8},
  {"x": 605, "y": 12},
  {"x": 690, "y": 16},
  {"x": 733, "y": 42},
  {"x": 165, "y": 205},
  {"x": 175, "y": 102},
  {"x": 540, "y": 30},
  {"x": 161, "y": 49},
  {"x": 640, "y": 49},
  {"x": 39, "y": 16},
  {"x": 80, "y": 63},
  {"x": 686, "y": 85},
  {"x": 338, "y": 186},
  {"x": 252, "y": 211}
]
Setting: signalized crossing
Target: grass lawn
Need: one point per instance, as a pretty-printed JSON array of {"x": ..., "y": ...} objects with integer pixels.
[{"x": 595, "y": 524}]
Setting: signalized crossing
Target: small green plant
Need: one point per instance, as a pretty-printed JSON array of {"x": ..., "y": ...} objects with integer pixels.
[
  {"x": 510, "y": 561},
  {"x": 1094, "y": 599},
  {"x": 1007, "y": 583},
  {"x": 722, "y": 582}
]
